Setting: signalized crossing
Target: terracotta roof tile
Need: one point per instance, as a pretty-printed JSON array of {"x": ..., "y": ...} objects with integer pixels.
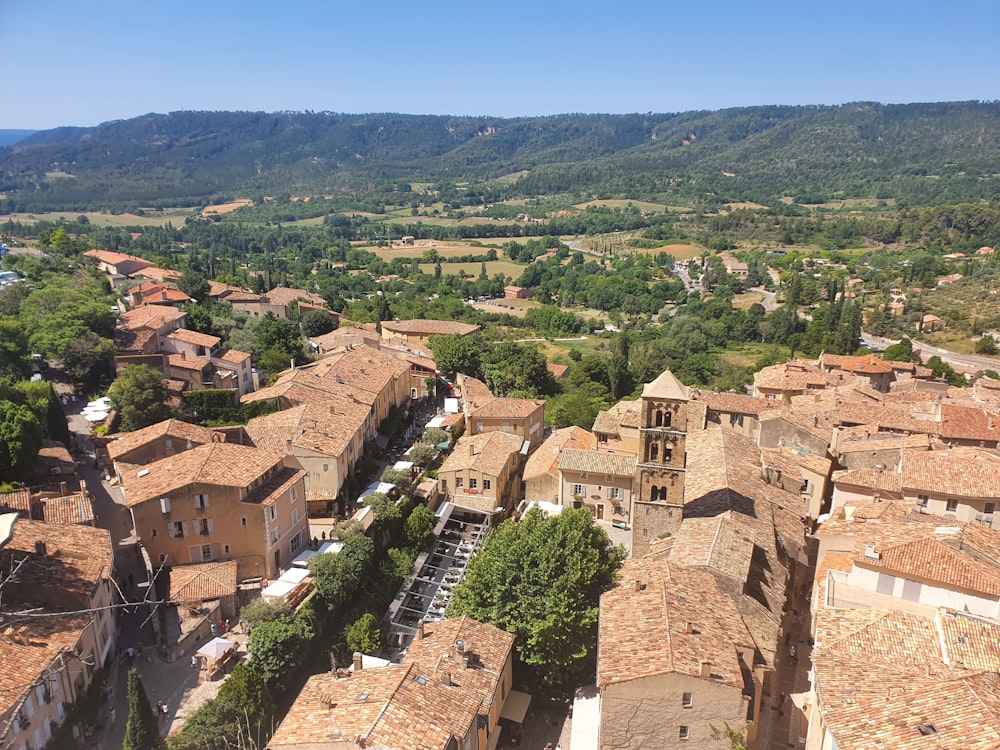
[
  {"x": 429, "y": 327},
  {"x": 153, "y": 316},
  {"x": 509, "y": 407},
  {"x": 617, "y": 464},
  {"x": 188, "y": 336},
  {"x": 951, "y": 472},
  {"x": 123, "y": 443},
  {"x": 734, "y": 402},
  {"x": 487, "y": 452},
  {"x": 69, "y": 509},
  {"x": 204, "y": 581},
  {"x": 622, "y": 414},
  {"x": 672, "y": 621},
  {"x": 886, "y": 481},
  {"x": 75, "y": 560},
  {"x": 223, "y": 464},
  {"x": 934, "y": 559},
  {"x": 281, "y": 295},
  {"x": 724, "y": 543},
  {"x": 545, "y": 458}
]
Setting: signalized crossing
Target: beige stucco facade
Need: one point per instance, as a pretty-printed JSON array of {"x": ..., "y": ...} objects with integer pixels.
[
  {"x": 235, "y": 523},
  {"x": 528, "y": 426},
  {"x": 608, "y": 496},
  {"x": 670, "y": 710}
]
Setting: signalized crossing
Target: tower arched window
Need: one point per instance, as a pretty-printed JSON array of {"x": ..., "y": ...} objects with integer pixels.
[
  {"x": 654, "y": 451},
  {"x": 659, "y": 417}
]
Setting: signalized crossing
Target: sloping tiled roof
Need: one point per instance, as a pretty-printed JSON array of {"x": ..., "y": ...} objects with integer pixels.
[
  {"x": 77, "y": 557},
  {"x": 114, "y": 259},
  {"x": 952, "y": 473},
  {"x": 545, "y": 458},
  {"x": 515, "y": 408},
  {"x": 429, "y": 327},
  {"x": 664, "y": 618},
  {"x": 69, "y": 509},
  {"x": 881, "y": 675},
  {"x": 969, "y": 423},
  {"x": 434, "y": 695},
  {"x": 666, "y": 385},
  {"x": 933, "y": 559},
  {"x": 723, "y": 543},
  {"x": 734, "y": 402},
  {"x": 794, "y": 376},
  {"x": 622, "y": 414},
  {"x": 475, "y": 393},
  {"x": 325, "y": 425},
  {"x": 188, "y": 336},
  {"x": 151, "y": 316},
  {"x": 867, "y": 364},
  {"x": 202, "y": 582},
  {"x": 123, "y": 443},
  {"x": 883, "y": 441},
  {"x": 596, "y": 462},
  {"x": 281, "y": 295},
  {"x": 486, "y": 452},
  {"x": 887, "y": 481},
  {"x": 223, "y": 464}
]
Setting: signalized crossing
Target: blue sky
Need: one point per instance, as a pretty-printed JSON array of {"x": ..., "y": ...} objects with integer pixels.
[{"x": 67, "y": 62}]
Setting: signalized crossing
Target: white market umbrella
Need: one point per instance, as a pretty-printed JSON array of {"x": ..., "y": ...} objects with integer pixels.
[{"x": 215, "y": 648}]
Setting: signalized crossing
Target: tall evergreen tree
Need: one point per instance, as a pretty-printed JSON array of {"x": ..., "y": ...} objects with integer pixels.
[{"x": 143, "y": 729}]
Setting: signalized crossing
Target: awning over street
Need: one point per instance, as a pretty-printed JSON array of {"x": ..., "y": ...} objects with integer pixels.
[{"x": 515, "y": 708}]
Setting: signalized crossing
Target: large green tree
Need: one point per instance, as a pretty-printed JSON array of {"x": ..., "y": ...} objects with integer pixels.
[
  {"x": 541, "y": 579},
  {"x": 143, "y": 729},
  {"x": 277, "y": 647},
  {"x": 139, "y": 395},
  {"x": 20, "y": 439},
  {"x": 457, "y": 354}
]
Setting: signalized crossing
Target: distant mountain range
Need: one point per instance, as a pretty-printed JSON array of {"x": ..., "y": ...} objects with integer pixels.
[
  {"x": 920, "y": 153},
  {"x": 10, "y": 137}
]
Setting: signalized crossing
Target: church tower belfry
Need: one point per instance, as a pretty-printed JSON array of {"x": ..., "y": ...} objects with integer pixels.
[{"x": 662, "y": 459}]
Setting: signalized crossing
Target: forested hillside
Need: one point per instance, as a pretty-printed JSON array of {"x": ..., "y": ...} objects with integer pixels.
[{"x": 918, "y": 153}]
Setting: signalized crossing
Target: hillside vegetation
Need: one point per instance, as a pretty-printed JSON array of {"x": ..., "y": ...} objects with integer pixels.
[{"x": 921, "y": 154}]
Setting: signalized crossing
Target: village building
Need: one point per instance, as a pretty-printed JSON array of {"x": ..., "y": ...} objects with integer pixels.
[
  {"x": 600, "y": 481},
  {"x": 674, "y": 659},
  {"x": 541, "y": 470},
  {"x": 219, "y": 501},
  {"x": 419, "y": 331},
  {"x": 49, "y": 661},
  {"x": 451, "y": 690},
  {"x": 118, "y": 266},
  {"x": 483, "y": 472}
]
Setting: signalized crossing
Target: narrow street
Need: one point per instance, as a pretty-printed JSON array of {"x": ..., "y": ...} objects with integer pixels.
[{"x": 133, "y": 629}]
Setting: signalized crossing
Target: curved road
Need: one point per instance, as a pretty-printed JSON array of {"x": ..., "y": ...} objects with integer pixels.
[{"x": 975, "y": 361}]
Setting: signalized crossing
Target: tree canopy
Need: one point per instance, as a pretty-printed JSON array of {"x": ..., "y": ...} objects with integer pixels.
[
  {"x": 139, "y": 395},
  {"x": 541, "y": 579},
  {"x": 143, "y": 729}
]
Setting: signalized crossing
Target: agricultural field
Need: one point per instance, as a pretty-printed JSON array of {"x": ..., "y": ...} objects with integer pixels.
[
  {"x": 516, "y": 307},
  {"x": 443, "y": 248},
  {"x": 746, "y": 300},
  {"x": 506, "y": 267},
  {"x": 152, "y": 218},
  {"x": 225, "y": 208},
  {"x": 625, "y": 203}
]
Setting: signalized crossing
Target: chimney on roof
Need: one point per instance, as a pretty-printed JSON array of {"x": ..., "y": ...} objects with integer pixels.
[
  {"x": 358, "y": 659},
  {"x": 163, "y": 295},
  {"x": 446, "y": 679},
  {"x": 472, "y": 449},
  {"x": 420, "y": 631},
  {"x": 706, "y": 669},
  {"x": 63, "y": 489},
  {"x": 40, "y": 549},
  {"x": 639, "y": 585}
]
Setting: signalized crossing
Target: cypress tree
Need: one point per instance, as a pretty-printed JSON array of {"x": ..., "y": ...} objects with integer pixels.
[{"x": 143, "y": 729}]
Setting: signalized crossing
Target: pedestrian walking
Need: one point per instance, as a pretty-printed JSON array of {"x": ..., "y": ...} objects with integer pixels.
[{"x": 111, "y": 716}]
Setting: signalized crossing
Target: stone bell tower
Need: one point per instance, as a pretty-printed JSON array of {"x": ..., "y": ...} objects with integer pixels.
[{"x": 661, "y": 462}]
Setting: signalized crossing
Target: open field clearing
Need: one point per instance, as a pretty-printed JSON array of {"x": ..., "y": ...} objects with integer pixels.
[
  {"x": 419, "y": 247},
  {"x": 516, "y": 307},
  {"x": 225, "y": 208},
  {"x": 493, "y": 267},
  {"x": 747, "y": 355},
  {"x": 744, "y": 204},
  {"x": 746, "y": 300},
  {"x": 513, "y": 176},
  {"x": 175, "y": 216},
  {"x": 624, "y": 203}
]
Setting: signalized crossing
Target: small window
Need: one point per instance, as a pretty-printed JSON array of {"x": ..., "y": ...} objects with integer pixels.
[
  {"x": 326, "y": 467},
  {"x": 578, "y": 489},
  {"x": 169, "y": 444},
  {"x": 473, "y": 483},
  {"x": 687, "y": 700},
  {"x": 293, "y": 494},
  {"x": 668, "y": 454},
  {"x": 486, "y": 484},
  {"x": 989, "y": 508},
  {"x": 273, "y": 512},
  {"x": 243, "y": 522},
  {"x": 952, "y": 505},
  {"x": 295, "y": 516},
  {"x": 154, "y": 533},
  {"x": 201, "y": 501},
  {"x": 459, "y": 482},
  {"x": 683, "y": 733},
  {"x": 225, "y": 548},
  {"x": 922, "y": 500},
  {"x": 206, "y": 553}
]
